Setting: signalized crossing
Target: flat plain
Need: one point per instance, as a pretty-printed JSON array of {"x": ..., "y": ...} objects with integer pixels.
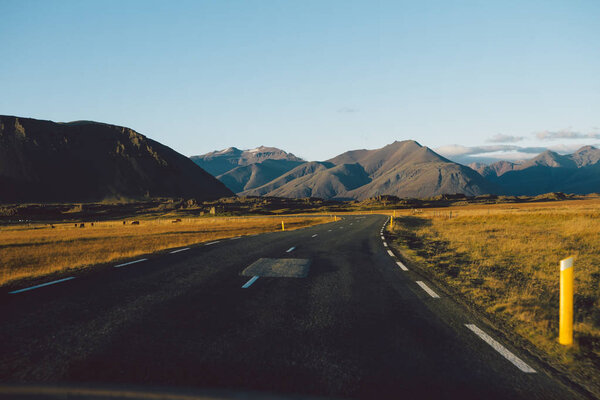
[{"x": 33, "y": 250}]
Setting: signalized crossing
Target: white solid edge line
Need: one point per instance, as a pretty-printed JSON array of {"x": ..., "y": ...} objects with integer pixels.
[
  {"x": 41, "y": 285},
  {"x": 501, "y": 349},
  {"x": 315, "y": 235},
  {"x": 250, "y": 282},
  {"x": 130, "y": 262},
  {"x": 179, "y": 250},
  {"x": 428, "y": 290},
  {"x": 402, "y": 266},
  {"x": 290, "y": 249},
  {"x": 209, "y": 243},
  {"x": 390, "y": 253},
  {"x": 234, "y": 238}
]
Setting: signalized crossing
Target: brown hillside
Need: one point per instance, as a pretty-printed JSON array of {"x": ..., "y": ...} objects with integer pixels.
[{"x": 44, "y": 161}]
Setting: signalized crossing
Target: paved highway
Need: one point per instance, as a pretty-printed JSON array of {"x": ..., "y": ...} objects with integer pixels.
[{"x": 359, "y": 324}]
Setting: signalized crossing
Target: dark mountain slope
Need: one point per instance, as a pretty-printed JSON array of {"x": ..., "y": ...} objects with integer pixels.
[
  {"x": 43, "y": 161},
  {"x": 577, "y": 173}
]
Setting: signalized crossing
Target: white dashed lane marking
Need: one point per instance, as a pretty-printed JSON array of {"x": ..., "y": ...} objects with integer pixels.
[
  {"x": 315, "y": 235},
  {"x": 250, "y": 282},
  {"x": 179, "y": 250},
  {"x": 290, "y": 249},
  {"x": 501, "y": 349},
  {"x": 42, "y": 285},
  {"x": 428, "y": 290},
  {"x": 130, "y": 262},
  {"x": 209, "y": 243},
  {"x": 402, "y": 266}
]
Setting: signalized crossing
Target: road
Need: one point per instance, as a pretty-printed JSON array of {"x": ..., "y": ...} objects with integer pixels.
[{"x": 357, "y": 326}]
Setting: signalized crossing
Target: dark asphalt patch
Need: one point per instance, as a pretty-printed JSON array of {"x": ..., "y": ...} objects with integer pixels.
[{"x": 278, "y": 268}]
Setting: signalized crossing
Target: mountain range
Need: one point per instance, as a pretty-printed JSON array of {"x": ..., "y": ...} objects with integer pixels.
[
  {"x": 44, "y": 161},
  {"x": 548, "y": 172},
  {"x": 403, "y": 169}
]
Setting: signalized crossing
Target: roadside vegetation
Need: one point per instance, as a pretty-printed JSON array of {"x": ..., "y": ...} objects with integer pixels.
[
  {"x": 504, "y": 261},
  {"x": 32, "y": 250}
]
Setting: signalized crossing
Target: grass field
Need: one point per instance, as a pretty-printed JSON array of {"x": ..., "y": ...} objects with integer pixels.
[
  {"x": 504, "y": 260},
  {"x": 28, "y": 251}
]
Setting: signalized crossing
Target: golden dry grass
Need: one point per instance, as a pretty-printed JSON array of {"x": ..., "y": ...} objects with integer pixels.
[
  {"x": 504, "y": 259},
  {"x": 33, "y": 250}
]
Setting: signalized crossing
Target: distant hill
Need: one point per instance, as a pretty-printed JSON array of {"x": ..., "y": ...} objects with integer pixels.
[
  {"x": 493, "y": 170},
  {"x": 251, "y": 176},
  {"x": 577, "y": 173},
  {"x": 300, "y": 171},
  {"x": 44, "y": 161},
  {"x": 219, "y": 162},
  {"x": 403, "y": 169},
  {"x": 407, "y": 169},
  {"x": 327, "y": 183}
]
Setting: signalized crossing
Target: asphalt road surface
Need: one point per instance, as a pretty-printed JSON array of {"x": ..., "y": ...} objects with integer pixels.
[{"x": 187, "y": 324}]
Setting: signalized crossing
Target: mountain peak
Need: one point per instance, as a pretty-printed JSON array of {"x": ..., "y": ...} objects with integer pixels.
[
  {"x": 587, "y": 155},
  {"x": 219, "y": 162},
  {"x": 407, "y": 143},
  {"x": 586, "y": 149}
]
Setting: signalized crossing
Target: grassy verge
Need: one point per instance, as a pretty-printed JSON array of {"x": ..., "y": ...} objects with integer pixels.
[
  {"x": 504, "y": 262},
  {"x": 28, "y": 251}
]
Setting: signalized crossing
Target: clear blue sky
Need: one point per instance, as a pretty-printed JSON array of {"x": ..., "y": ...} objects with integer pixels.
[{"x": 312, "y": 77}]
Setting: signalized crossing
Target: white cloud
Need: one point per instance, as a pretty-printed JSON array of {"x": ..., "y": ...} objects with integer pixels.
[
  {"x": 459, "y": 150},
  {"x": 565, "y": 134},
  {"x": 501, "y": 138}
]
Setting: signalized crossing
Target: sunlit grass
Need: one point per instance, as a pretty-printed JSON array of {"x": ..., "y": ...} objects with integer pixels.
[
  {"x": 504, "y": 259},
  {"x": 34, "y": 250}
]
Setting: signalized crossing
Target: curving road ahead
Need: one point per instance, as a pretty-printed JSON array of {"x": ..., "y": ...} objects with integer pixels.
[{"x": 358, "y": 325}]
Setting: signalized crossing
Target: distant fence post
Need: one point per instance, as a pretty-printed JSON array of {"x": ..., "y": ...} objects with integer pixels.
[{"x": 565, "y": 336}]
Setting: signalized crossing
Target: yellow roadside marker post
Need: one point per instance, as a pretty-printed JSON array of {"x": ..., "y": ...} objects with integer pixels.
[
  {"x": 282, "y": 226},
  {"x": 565, "y": 335}
]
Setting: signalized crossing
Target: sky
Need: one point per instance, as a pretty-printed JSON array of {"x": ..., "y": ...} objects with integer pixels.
[{"x": 475, "y": 79}]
